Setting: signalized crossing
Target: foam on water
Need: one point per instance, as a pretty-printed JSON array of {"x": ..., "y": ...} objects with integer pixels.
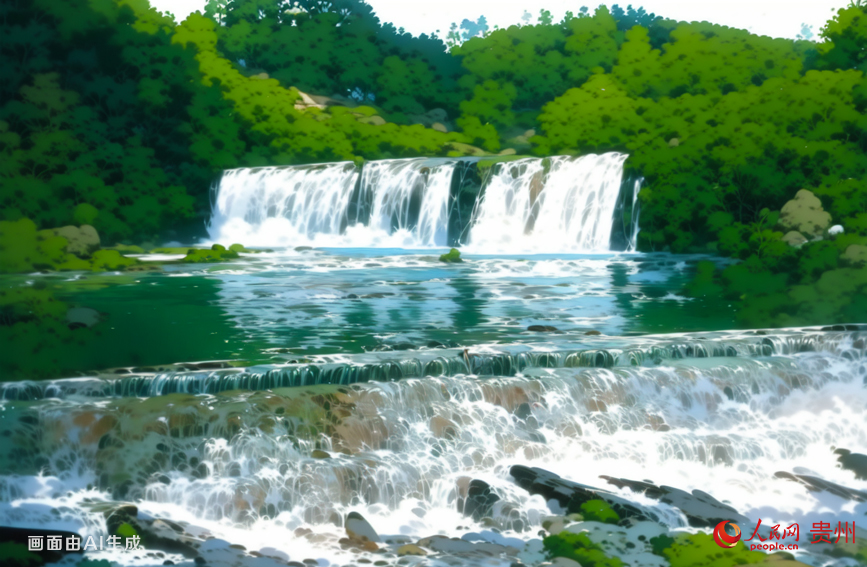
[{"x": 400, "y": 452}]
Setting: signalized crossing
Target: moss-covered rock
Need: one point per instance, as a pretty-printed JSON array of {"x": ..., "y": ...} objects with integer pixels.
[
  {"x": 452, "y": 256},
  {"x": 599, "y": 511},
  {"x": 217, "y": 253}
]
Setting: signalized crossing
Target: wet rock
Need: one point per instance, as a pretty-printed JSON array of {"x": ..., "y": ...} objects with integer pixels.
[
  {"x": 317, "y": 454},
  {"x": 164, "y": 535},
  {"x": 439, "y": 127},
  {"x": 443, "y": 428},
  {"x": 480, "y": 500},
  {"x": 816, "y": 484},
  {"x": 855, "y": 462},
  {"x": 593, "y": 333},
  {"x": 571, "y": 495},
  {"x": 523, "y": 411},
  {"x": 359, "y": 530},
  {"x": 543, "y": 329},
  {"x": 700, "y": 508},
  {"x": 410, "y": 549}
]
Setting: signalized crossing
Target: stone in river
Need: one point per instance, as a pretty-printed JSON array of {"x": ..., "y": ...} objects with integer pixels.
[
  {"x": 816, "y": 484},
  {"x": 571, "y": 495},
  {"x": 358, "y": 529},
  {"x": 480, "y": 500},
  {"x": 855, "y": 462},
  {"x": 410, "y": 549},
  {"x": 700, "y": 508},
  {"x": 543, "y": 329}
]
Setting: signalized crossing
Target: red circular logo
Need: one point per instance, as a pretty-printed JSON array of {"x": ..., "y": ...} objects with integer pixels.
[{"x": 722, "y": 538}]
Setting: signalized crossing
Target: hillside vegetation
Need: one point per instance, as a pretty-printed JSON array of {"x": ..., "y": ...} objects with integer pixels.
[{"x": 116, "y": 116}]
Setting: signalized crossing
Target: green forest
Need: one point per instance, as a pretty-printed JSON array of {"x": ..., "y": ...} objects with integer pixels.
[{"x": 115, "y": 115}]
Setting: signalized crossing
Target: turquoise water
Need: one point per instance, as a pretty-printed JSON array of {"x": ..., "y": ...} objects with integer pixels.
[{"x": 329, "y": 302}]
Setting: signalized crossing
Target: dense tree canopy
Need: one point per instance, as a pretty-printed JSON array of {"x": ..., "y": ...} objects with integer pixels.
[{"x": 115, "y": 115}]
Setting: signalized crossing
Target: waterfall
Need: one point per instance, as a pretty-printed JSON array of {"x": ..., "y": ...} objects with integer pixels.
[
  {"x": 409, "y": 195},
  {"x": 551, "y": 205},
  {"x": 568, "y": 208},
  {"x": 633, "y": 238},
  {"x": 271, "y": 206}
]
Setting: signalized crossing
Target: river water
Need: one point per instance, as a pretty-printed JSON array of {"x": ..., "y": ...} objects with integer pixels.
[{"x": 261, "y": 401}]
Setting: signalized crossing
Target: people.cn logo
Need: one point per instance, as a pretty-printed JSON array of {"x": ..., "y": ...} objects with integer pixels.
[{"x": 722, "y": 538}]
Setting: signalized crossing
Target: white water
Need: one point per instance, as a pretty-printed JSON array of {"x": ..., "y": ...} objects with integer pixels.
[
  {"x": 310, "y": 205},
  {"x": 568, "y": 207},
  {"x": 289, "y": 206},
  {"x": 392, "y": 184},
  {"x": 403, "y": 449},
  {"x": 568, "y": 210}
]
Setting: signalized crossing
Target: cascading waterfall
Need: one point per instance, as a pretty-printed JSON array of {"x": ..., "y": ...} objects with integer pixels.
[
  {"x": 559, "y": 204},
  {"x": 410, "y": 196},
  {"x": 271, "y": 206},
  {"x": 250, "y": 465},
  {"x": 568, "y": 208}
]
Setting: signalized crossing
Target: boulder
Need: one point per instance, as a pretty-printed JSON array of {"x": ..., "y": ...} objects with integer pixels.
[
  {"x": 701, "y": 509},
  {"x": 794, "y": 238},
  {"x": 816, "y": 484},
  {"x": 359, "y": 530},
  {"x": 453, "y": 256},
  {"x": 804, "y": 214},
  {"x": 410, "y": 549},
  {"x": 537, "y": 184},
  {"x": 82, "y": 241},
  {"x": 508, "y": 152},
  {"x": 836, "y": 229},
  {"x": 855, "y": 462},
  {"x": 439, "y": 127},
  {"x": 856, "y": 254},
  {"x": 571, "y": 495},
  {"x": 543, "y": 329},
  {"x": 480, "y": 500}
]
